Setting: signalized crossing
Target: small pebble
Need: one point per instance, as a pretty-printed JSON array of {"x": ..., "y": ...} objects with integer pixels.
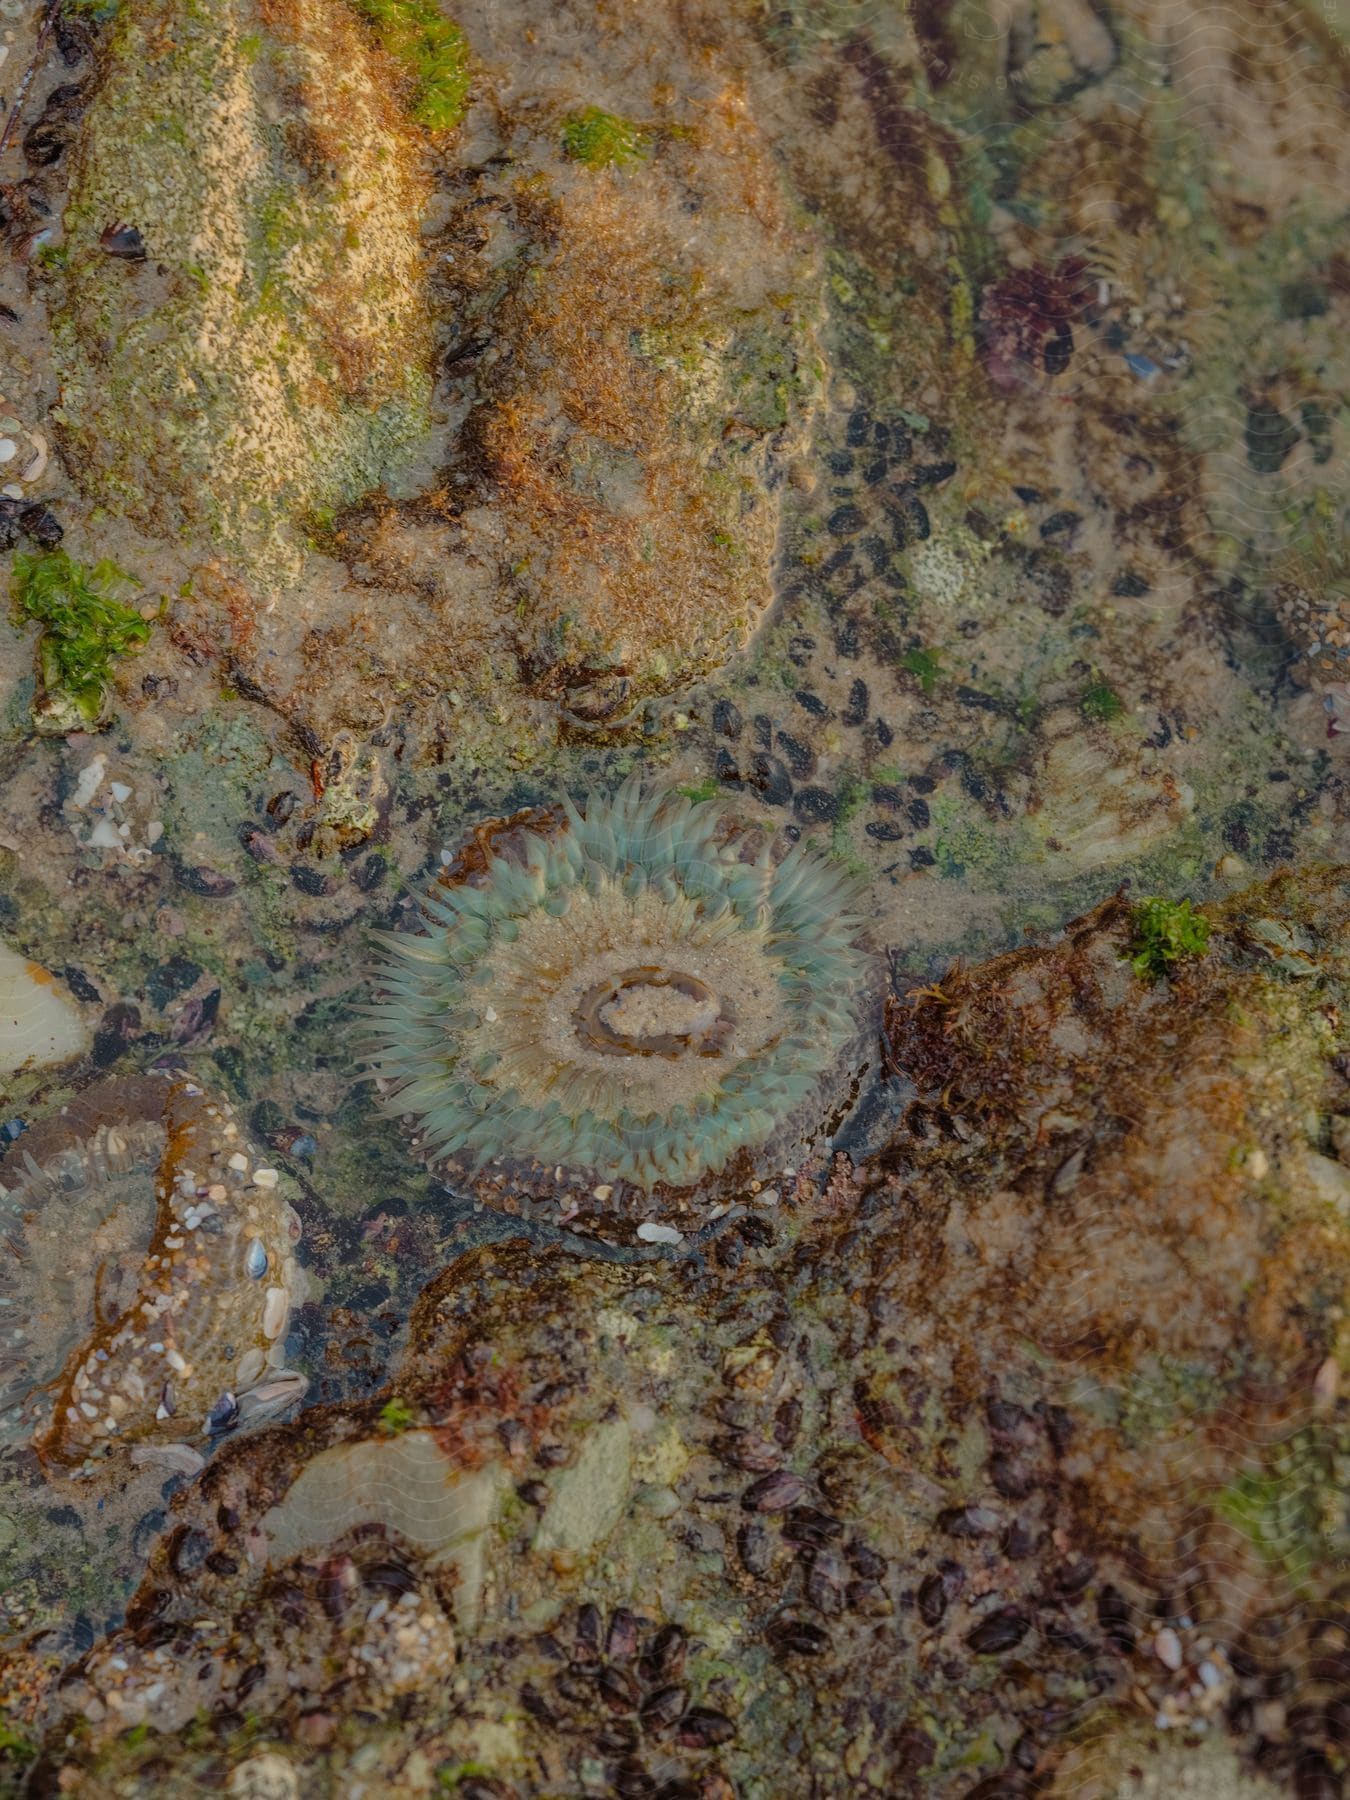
[
  {"x": 1326, "y": 1385},
  {"x": 660, "y": 1234},
  {"x": 1167, "y": 1648},
  {"x": 276, "y": 1305},
  {"x": 660, "y": 1502},
  {"x": 90, "y": 781}
]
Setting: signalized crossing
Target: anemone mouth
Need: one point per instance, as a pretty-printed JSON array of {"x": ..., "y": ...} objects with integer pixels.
[
  {"x": 638, "y": 995},
  {"x": 639, "y": 1012}
]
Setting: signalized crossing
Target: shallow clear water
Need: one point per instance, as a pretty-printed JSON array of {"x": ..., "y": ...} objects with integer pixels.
[{"x": 568, "y": 673}]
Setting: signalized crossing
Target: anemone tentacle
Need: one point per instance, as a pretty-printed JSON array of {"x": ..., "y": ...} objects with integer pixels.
[{"x": 640, "y": 993}]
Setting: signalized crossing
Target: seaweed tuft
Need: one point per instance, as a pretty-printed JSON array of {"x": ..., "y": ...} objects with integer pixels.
[
  {"x": 602, "y": 140},
  {"x": 1166, "y": 932},
  {"x": 85, "y": 624},
  {"x": 418, "y": 35}
]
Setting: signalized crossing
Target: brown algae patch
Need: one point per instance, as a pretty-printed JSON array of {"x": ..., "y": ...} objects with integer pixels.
[
  {"x": 635, "y": 438},
  {"x": 261, "y": 347},
  {"x": 148, "y": 1274}
]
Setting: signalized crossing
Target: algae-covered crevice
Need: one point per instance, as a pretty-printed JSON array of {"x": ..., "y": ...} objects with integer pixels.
[
  {"x": 238, "y": 308},
  {"x": 529, "y": 389}
]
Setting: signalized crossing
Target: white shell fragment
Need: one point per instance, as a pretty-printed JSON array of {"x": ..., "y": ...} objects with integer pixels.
[
  {"x": 39, "y": 1023},
  {"x": 91, "y": 780},
  {"x": 275, "y": 1308}
]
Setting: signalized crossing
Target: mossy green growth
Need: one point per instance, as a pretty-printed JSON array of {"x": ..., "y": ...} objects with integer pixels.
[
  {"x": 1101, "y": 703},
  {"x": 395, "y": 1416},
  {"x": 700, "y": 791},
  {"x": 1166, "y": 932},
  {"x": 600, "y": 139},
  {"x": 926, "y": 664},
  {"x": 85, "y": 624},
  {"x": 417, "y": 34},
  {"x": 14, "y": 1744},
  {"x": 451, "y": 1775},
  {"x": 1292, "y": 1509}
]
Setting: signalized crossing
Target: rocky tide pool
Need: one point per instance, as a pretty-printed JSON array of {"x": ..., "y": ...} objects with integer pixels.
[{"x": 675, "y": 899}]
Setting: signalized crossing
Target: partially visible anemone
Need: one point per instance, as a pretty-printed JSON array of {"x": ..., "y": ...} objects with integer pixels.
[
  {"x": 640, "y": 995},
  {"x": 147, "y": 1272}
]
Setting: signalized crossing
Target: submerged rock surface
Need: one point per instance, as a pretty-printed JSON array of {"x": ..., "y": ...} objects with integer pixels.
[
  {"x": 150, "y": 1271},
  {"x": 936, "y": 1462},
  {"x": 986, "y": 1442}
]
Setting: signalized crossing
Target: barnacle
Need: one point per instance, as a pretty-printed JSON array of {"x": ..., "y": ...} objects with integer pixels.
[
  {"x": 640, "y": 994},
  {"x": 146, "y": 1270}
]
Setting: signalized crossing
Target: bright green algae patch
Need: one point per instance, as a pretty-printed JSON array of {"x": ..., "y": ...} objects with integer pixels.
[
  {"x": 85, "y": 624},
  {"x": 269, "y": 354},
  {"x": 1166, "y": 932},
  {"x": 417, "y": 34},
  {"x": 600, "y": 139}
]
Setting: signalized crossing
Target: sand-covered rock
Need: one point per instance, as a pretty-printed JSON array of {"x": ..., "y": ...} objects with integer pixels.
[{"x": 241, "y": 324}]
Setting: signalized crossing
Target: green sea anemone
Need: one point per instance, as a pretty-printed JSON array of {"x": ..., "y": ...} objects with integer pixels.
[{"x": 641, "y": 994}]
